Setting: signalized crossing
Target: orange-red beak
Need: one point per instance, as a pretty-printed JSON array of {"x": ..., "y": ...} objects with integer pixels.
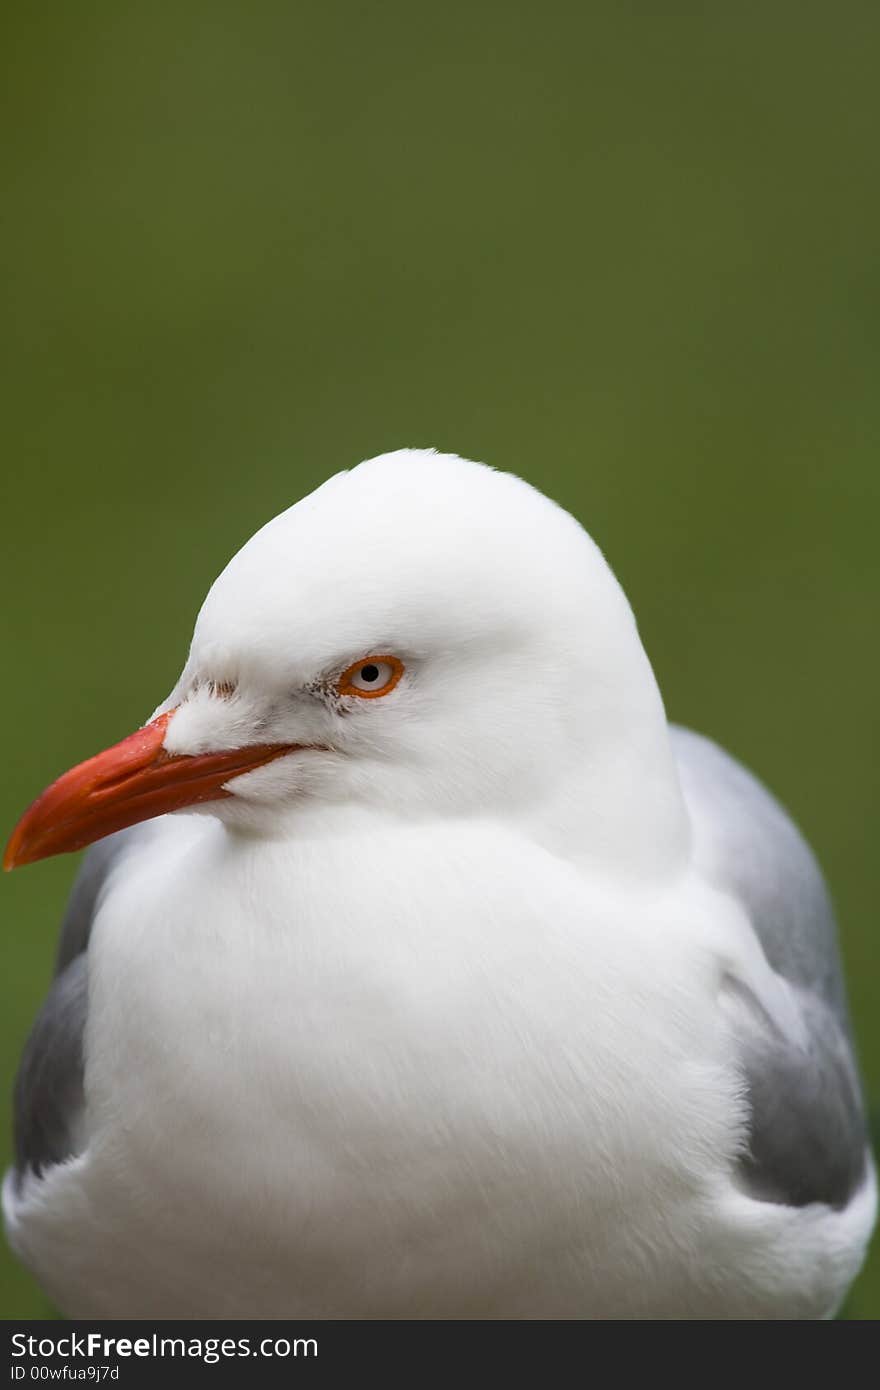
[{"x": 130, "y": 782}]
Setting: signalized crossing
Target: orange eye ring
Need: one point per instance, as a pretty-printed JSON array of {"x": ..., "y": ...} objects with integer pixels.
[{"x": 371, "y": 677}]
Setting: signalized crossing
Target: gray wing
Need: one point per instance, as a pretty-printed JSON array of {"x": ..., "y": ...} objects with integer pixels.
[
  {"x": 48, "y": 1100},
  {"x": 49, "y": 1087},
  {"x": 807, "y": 1139}
]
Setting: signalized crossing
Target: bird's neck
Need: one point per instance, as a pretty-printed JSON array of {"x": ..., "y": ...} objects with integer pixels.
[{"x": 620, "y": 810}]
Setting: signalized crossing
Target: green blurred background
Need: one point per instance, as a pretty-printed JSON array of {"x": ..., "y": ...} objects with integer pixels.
[{"x": 629, "y": 250}]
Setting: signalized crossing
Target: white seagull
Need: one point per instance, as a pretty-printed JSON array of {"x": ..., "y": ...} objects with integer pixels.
[{"x": 474, "y": 990}]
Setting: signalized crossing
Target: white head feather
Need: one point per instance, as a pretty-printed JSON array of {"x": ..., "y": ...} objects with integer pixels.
[{"x": 526, "y": 692}]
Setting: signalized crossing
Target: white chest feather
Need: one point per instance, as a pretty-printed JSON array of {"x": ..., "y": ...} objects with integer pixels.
[{"x": 327, "y": 1079}]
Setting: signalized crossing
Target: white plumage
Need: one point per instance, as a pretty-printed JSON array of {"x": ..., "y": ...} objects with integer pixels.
[{"x": 450, "y": 1011}]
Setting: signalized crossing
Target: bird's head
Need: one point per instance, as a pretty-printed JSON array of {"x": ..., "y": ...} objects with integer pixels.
[{"x": 421, "y": 636}]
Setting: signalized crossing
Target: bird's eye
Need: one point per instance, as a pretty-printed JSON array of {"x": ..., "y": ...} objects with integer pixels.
[{"x": 377, "y": 675}]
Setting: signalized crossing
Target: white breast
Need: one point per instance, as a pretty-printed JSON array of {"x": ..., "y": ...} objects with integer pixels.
[{"x": 419, "y": 1073}]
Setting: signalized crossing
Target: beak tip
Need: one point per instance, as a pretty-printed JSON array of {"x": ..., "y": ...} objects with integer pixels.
[
  {"x": 22, "y": 847},
  {"x": 14, "y": 854}
]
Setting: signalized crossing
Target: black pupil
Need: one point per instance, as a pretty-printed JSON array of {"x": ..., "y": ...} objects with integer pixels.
[{"x": 369, "y": 673}]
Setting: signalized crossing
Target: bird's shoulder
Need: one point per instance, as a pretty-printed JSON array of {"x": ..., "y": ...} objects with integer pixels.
[
  {"x": 89, "y": 885},
  {"x": 806, "y": 1139},
  {"x": 48, "y": 1098},
  {"x": 747, "y": 845}
]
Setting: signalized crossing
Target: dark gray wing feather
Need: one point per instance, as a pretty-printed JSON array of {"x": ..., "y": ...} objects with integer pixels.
[
  {"x": 807, "y": 1139},
  {"x": 49, "y": 1086},
  {"x": 48, "y": 1100}
]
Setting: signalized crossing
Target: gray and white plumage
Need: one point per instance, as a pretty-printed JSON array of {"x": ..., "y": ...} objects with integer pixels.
[
  {"x": 807, "y": 1139},
  {"x": 48, "y": 1098},
  {"x": 765, "y": 1161},
  {"x": 807, "y": 1135}
]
